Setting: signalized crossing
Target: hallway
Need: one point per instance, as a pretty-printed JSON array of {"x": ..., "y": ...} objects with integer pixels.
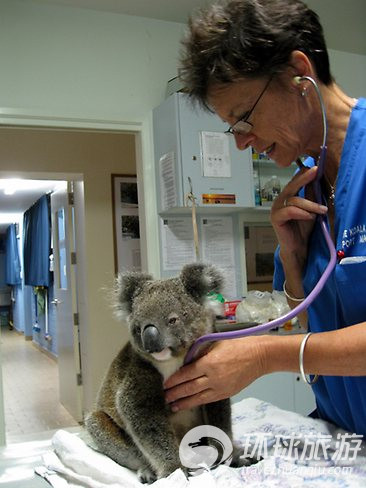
[{"x": 30, "y": 380}]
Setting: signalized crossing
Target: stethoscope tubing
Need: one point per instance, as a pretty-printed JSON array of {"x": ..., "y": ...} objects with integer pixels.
[{"x": 260, "y": 329}]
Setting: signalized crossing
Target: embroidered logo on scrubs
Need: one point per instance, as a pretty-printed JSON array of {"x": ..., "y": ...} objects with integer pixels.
[
  {"x": 353, "y": 236},
  {"x": 205, "y": 447}
]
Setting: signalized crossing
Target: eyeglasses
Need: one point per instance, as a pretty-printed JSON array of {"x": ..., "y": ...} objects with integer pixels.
[{"x": 242, "y": 126}]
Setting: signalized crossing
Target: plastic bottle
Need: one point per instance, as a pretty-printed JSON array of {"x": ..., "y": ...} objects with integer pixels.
[
  {"x": 271, "y": 190},
  {"x": 257, "y": 191},
  {"x": 276, "y": 186}
]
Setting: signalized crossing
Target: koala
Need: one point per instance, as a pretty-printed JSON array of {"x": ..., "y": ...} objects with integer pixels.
[{"x": 132, "y": 423}]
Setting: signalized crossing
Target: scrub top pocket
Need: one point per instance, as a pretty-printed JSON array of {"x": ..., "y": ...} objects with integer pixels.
[{"x": 351, "y": 288}]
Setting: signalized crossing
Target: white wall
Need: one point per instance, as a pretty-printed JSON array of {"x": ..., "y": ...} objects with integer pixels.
[
  {"x": 69, "y": 62},
  {"x": 349, "y": 71},
  {"x": 76, "y": 62}
]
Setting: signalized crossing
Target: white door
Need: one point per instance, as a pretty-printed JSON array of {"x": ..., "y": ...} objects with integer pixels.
[{"x": 65, "y": 302}]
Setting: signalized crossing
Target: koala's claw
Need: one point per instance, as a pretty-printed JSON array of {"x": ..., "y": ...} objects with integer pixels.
[
  {"x": 146, "y": 475},
  {"x": 248, "y": 461},
  {"x": 238, "y": 452},
  {"x": 239, "y": 460}
]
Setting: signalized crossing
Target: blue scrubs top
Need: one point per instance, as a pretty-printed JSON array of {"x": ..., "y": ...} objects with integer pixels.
[{"x": 342, "y": 302}]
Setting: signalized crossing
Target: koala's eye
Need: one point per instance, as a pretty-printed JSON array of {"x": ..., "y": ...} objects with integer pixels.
[{"x": 172, "y": 320}]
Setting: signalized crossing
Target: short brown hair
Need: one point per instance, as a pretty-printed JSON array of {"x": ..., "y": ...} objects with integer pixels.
[{"x": 249, "y": 38}]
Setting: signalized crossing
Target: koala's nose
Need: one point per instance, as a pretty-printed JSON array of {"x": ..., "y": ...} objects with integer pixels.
[{"x": 151, "y": 339}]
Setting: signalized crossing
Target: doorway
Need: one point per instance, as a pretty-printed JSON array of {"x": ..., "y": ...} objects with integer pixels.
[
  {"x": 39, "y": 336},
  {"x": 92, "y": 155}
]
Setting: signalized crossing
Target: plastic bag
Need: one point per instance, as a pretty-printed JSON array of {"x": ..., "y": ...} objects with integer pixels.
[{"x": 261, "y": 307}]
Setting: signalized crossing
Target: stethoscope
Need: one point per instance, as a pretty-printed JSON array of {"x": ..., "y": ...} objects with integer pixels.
[{"x": 258, "y": 329}]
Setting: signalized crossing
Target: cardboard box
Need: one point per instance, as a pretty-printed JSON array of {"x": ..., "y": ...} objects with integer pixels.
[{"x": 260, "y": 245}]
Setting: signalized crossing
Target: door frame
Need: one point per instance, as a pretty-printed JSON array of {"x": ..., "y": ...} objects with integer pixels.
[{"x": 143, "y": 132}]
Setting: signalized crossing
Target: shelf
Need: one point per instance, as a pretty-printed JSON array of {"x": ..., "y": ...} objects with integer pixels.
[
  {"x": 265, "y": 161},
  {"x": 215, "y": 210},
  {"x": 262, "y": 208},
  {"x": 270, "y": 162},
  {"x": 205, "y": 210}
]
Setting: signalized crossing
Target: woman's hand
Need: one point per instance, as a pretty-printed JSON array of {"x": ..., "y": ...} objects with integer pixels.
[
  {"x": 228, "y": 367},
  {"x": 293, "y": 217}
]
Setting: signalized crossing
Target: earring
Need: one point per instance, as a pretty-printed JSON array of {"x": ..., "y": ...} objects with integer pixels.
[{"x": 304, "y": 92}]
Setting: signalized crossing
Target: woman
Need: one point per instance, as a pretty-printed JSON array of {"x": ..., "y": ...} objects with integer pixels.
[{"x": 245, "y": 61}]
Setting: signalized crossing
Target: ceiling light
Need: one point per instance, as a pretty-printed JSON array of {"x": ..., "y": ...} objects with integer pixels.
[{"x": 11, "y": 186}]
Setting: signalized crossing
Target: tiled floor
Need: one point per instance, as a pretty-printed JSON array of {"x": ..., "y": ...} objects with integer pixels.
[{"x": 30, "y": 380}]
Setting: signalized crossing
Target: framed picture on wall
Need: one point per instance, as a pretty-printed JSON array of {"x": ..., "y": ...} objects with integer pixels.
[{"x": 126, "y": 225}]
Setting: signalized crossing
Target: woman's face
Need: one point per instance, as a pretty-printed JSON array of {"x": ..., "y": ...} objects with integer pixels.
[{"x": 281, "y": 123}]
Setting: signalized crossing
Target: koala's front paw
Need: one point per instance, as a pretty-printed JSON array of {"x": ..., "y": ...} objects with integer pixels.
[
  {"x": 186, "y": 471},
  {"x": 238, "y": 459},
  {"x": 146, "y": 475},
  {"x": 238, "y": 451}
]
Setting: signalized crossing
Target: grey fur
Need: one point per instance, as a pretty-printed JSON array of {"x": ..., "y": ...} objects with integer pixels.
[{"x": 131, "y": 423}]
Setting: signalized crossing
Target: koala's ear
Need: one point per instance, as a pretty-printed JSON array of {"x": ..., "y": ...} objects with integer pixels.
[
  {"x": 127, "y": 286},
  {"x": 199, "y": 279}
]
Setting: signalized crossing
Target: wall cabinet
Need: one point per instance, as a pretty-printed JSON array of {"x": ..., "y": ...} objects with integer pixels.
[
  {"x": 192, "y": 153},
  {"x": 190, "y": 146}
]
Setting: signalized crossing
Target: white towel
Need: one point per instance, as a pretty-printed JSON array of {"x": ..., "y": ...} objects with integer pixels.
[{"x": 81, "y": 466}]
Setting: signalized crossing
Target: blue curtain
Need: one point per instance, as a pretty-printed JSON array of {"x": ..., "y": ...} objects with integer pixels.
[
  {"x": 12, "y": 261},
  {"x": 37, "y": 243}
]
